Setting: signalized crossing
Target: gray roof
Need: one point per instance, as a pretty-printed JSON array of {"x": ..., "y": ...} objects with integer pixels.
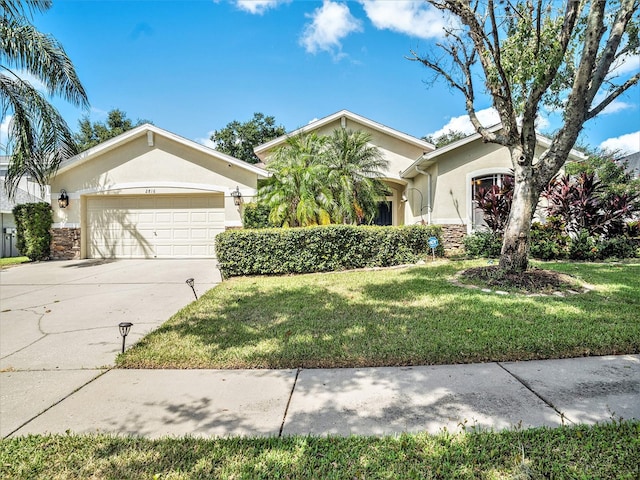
[
  {"x": 22, "y": 196},
  {"x": 633, "y": 163}
]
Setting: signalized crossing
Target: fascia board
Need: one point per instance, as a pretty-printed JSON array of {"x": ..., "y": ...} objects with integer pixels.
[
  {"x": 134, "y": 133},
  {"x": 260, "y": 150}
]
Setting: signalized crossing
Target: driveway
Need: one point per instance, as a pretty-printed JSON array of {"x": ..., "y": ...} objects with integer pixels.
[{"x": 59, "y": 322}]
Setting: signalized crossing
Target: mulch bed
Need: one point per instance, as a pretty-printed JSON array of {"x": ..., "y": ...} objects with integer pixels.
[{"x": 533, "y": 280}]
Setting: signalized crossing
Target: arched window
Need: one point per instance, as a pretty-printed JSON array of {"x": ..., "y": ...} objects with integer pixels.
[{"x": 486, "y": 182}]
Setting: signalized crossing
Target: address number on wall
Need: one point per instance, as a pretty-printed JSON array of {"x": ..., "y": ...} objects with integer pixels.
[{"x": 150, "y": 190}]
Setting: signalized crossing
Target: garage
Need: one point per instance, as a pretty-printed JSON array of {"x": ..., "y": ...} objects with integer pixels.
[{"x": 153, "y": 226}]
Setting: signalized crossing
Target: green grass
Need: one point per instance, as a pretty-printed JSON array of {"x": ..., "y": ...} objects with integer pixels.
[
  {"x": 607, "y": 451},
  {"x": 10, "y": 261},
  {"x": 388, "y": 317}
]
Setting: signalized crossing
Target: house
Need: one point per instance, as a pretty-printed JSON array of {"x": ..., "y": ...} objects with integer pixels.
[
  {"x": 428, "y": 185},
  {"x": 7, "y": 221},
  {"x": 149, "y": 193}
]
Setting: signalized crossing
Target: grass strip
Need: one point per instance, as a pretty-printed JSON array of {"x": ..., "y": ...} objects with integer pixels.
[
  {"x": 604, "y": 451},
  {"x": 410, "y": 316}
]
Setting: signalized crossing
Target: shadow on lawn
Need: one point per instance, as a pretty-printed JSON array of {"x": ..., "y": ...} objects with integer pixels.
[{"x": 408, "y": 317}]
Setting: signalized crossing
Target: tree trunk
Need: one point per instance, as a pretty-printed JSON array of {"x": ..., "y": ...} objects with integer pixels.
[{"x": 515, "y": 246}]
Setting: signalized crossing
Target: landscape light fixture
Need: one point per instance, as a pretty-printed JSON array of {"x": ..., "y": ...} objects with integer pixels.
[
  {"x": 190, "y": 282},
  {"x": 404, "y": 199},
  {"x": 237, "y": 196},
  {"x": 63, "y": 199},
  {"x": 124, "y": 331}
]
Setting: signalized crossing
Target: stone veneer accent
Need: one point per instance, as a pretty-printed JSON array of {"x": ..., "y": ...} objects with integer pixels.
[
  {"x": 65, "y": 244},
  {"x": 453, "y": 236}
]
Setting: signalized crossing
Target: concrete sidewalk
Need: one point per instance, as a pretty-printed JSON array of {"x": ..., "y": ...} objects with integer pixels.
[
  {"x": 59, "y": 339},
  {"x": 364, "y": 401}
]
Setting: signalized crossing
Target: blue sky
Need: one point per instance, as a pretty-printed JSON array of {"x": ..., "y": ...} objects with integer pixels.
[{"x": 191, "y": 67}]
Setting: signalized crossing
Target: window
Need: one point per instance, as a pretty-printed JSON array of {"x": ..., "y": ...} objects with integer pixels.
[{"x": 485, "y": 182}]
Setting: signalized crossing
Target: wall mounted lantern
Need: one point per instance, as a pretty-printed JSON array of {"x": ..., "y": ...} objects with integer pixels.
[
  {"x": 237, "y": 196},
  {"x": 124, "y": 331},
  {"x": 63, "y": 199}
]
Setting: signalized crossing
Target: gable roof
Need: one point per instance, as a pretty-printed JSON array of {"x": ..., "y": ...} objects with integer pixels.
[
  {"x": 21, "y": 196},
  {"x": 430, "y": 158},
  {"x": 147, "y": 129},
  {"x": 262, "y": 150}
]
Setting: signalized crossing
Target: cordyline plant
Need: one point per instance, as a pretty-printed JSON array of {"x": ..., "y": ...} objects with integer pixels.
[
  {"x": 527, "y": 55},
  {"x": 495, "y": 203},
  {"x": 582, "y": 204}
]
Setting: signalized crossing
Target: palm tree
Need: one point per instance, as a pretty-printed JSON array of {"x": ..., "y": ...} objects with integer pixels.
[
  {"x": 356, "y": 168},
  {"x": 297, "y": 193},
  {"x": 38, "y": 138}
]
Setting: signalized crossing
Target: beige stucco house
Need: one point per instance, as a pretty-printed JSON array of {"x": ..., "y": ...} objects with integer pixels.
[
  {"x": 149, "y": 193},
  {"x": 429, "y": 185}
]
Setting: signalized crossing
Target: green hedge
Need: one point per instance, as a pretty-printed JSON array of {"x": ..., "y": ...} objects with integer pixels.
[
  {"x": 321, "y": 249},
  {"x": 33, "y": 230}
]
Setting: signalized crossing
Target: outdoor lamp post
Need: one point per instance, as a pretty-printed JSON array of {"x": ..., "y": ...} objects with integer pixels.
[
  {"x": 63, "y": 199},
  {"x": 124, "y": 331},
  {"x": 190, "y": 282},
  {"x": 237, "y": 196}
]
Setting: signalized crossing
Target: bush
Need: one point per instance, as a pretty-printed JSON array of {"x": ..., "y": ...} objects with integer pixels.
[
  {"x": 548, "y": 240},
  {"x": 33, "y": 230},
  {"x": 483, "y": 244},
  {"x": 256, "y": 215},
  {"x": 321, "y": 249},
  {"x": 618, "y": 247},
  {"x": 583, "y": 247}
]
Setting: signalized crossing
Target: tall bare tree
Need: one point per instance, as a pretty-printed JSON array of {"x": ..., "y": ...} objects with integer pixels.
[{"x": 530, "y": 54}]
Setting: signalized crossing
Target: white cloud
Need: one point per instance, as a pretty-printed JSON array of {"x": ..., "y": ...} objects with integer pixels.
[
  {"x": 34, "y": 81},
  {"x": 330, "y": 24},
  {"x": 258, "y": 7},
  {"x": 626, "y": 64},
  {"x": 4, "y": 133},
  {"x": 629, "y": 143},
  {"x": 488, "y": 117},
  {"x": 413, "y": 18},
  {"x": 614, "y": 107},
  {"x": 206, "y": 141}
]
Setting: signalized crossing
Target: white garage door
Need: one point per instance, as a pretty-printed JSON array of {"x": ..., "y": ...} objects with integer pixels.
[{"x": 154, "y": 226}]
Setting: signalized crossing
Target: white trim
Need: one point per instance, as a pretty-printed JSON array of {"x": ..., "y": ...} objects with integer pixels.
[
  {"x": 448, "y": 221},
  {"x": 131, "y": 185},
  {"x": 65, "y": 225},
  {"x": 343, "y": 115},
  {"x": 147, "y": 129},
  {"x": 232, "y": 223},
  {"x": 431, "y": 157}
]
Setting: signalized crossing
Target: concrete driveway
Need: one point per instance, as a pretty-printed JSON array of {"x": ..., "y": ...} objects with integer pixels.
[{"x": 59, "y": 322}]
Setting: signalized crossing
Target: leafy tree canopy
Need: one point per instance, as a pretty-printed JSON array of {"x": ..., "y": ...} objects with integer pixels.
[
  {"x": 92, "y": 134},
  {"x": 37, "y": 132},
  {"x": 238, "y": 139},
  {"x": 562, "y": 55},
  {"x": 445, "y": 138}
]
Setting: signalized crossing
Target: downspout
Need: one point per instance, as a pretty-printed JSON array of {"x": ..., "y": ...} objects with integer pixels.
[{"x": 424, "y": 172}]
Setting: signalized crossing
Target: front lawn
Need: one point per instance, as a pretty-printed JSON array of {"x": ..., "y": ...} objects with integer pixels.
[
  {"x": 10, "y": 261},
  {"x": 609, "y": 451},
  {"x": 409, "y": 316}
]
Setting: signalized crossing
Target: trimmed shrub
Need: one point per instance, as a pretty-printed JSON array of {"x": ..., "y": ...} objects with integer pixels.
[
  {"x": 483, "y": 244},
  {"x": 618, "y": 247},
  {"x": 548, "y": 240},
  {"x": 33, "y": 229},
  {"x": 256, "y": 215},
  {"x": 321, "y": 249},
  {"x": 583, "y": 247}
]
